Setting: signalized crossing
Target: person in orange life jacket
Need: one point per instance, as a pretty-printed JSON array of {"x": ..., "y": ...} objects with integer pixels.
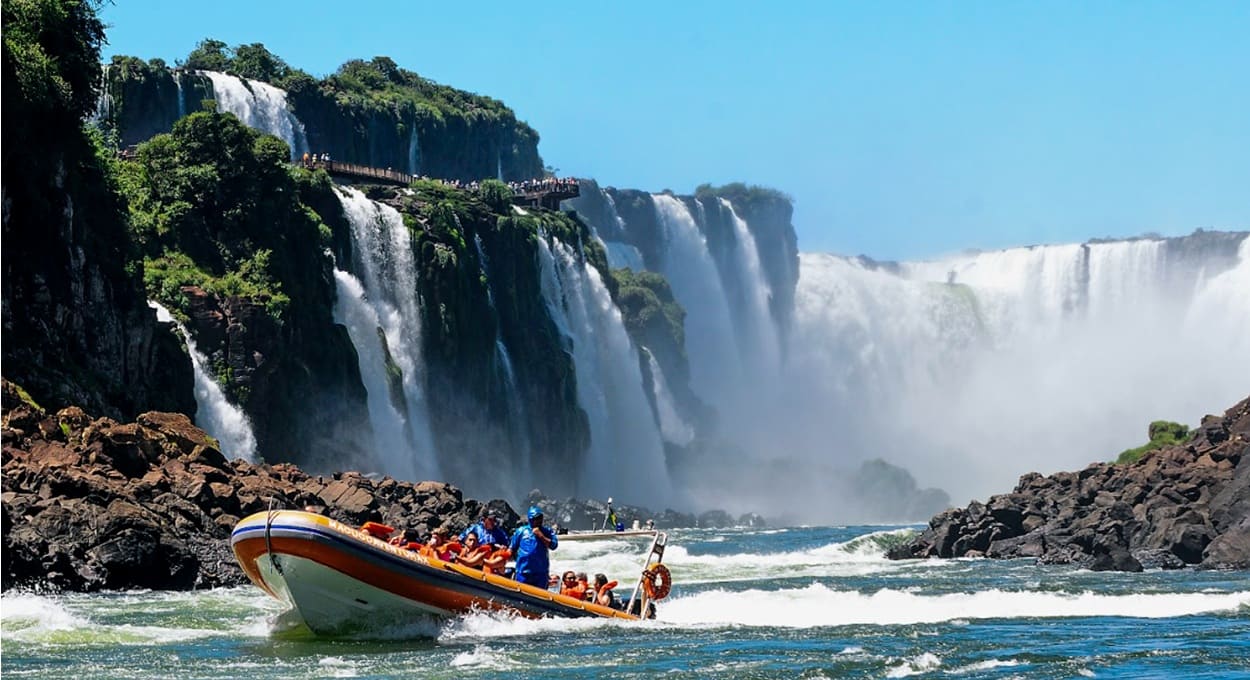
[
  {"x": 603, "y": 591},
  {"x": 472, "y": 554},
  {"x": 531, "y": 545},
  {"x": 437, "y": 545},
  {"x": 570, "y": 587}
]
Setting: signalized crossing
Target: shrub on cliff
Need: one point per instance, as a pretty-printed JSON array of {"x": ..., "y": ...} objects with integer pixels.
[
  {"x": 1162, "y": 433},
  {"x": 648, "y": 308}
]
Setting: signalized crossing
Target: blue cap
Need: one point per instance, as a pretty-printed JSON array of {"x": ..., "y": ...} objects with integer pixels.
[{"x": 534, "y": 511}]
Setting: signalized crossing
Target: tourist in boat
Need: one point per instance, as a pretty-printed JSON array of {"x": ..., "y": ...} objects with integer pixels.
[
  {"x": 583, "y": 583},
  {"x": 437, "y": 545},
  {"x": 570, "y": 587},
  {"x": 603, "y": 592},
  {"x": 531, "y": 544},
  {"x": 472, "y": 553},
  {"x": 488, "y": 531}
]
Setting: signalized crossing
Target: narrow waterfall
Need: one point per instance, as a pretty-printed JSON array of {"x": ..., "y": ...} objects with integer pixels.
[
  {"x": 754, "y": 320},
  {"x": 626, "y": 456},
  {"x": 672, "y": 426},
  {"x": 387, "y": 267},
  {"x": 714, "y": 358},
  {"x": 624, "y": 255},
  {"x": 222, "y": 420},
  {"x": 499, "y": 166},
  {"x": 386, "y": 417},
  {"x": 414, "y": 151},
  {"x": 519, "y": 423},
  {"x": 182, "y": 102},
  {"x": 259, "y": 105}
]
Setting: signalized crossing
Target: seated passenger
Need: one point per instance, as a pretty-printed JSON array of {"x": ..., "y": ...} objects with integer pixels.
[
  {"x": 569, "y": 586},
  {"x": 437, "y": 546},
  {"x": 497, "y": 561},
  {"x": 583, "y": 582},
  {"x": 603, "y": 592},
  {"x": 472, "y": 554}
]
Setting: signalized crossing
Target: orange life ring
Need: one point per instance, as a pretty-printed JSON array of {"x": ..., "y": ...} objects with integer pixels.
[{"x": 657, "y": 582}]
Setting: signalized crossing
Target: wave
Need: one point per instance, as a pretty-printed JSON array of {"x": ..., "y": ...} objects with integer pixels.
[{"x": 818, "y": 605}]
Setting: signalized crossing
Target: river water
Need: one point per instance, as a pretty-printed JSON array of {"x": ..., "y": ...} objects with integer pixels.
[{"x": 773, "y": 603}]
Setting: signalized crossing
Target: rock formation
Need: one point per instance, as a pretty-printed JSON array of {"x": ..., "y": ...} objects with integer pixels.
[
  {"x": 91, "y": 503},
  {"x": 1178, "y": 505}
]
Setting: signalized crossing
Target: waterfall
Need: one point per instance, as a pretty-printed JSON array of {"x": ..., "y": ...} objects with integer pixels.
[
  {"x": 626, "y": 454},
  {"x": 754, "y": 320},
  {"x": 499, "y": 166},
  {"x": 259, "y": 105},
  {"x": 182, "y": 103},
  {"x": 389, "y": 423},
  {"x": 623, "y": 255},
  {"x": 975, "y": 369},
  {"x": 414, "y": 151},
  {"x": 222, "y": 420},
  {"x": 516, "y": 407},
  {"x": 387, "y": 267},
  {"x": 688, "y": 266},
  {"x": 672, "y": 426}
]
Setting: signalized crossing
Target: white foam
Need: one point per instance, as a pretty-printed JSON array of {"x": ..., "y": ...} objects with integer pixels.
[
  {"x": 490, "y": 625},
  {"x": 818, "y": 605},
  {"x": 916, "y": 665},
  {"x": 338, "y": 667},
  {"x": 482, "y": 657},
  {"x": 986, "y": 665},
  {"x": 28, "y": 613}
]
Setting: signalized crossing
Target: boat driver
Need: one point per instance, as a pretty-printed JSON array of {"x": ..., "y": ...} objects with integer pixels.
[{"x": 531, "y": 545}]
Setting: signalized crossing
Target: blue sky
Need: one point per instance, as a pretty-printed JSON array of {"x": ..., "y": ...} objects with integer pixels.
[{"x": 902, "y": 130}]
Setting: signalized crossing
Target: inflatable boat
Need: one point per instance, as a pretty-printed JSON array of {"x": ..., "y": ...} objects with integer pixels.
[{"x": 338, "y": 578}]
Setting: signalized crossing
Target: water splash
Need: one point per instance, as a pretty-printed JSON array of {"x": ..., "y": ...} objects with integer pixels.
[{"x": 225, "y": 422}]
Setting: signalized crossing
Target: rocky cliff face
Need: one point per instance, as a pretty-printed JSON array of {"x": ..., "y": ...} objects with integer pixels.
[
  {"x": 353, "y": 115},
  {"x": 77, "y": 328},
  {"x": 91, "y": 503},
  {"x": 1176, "y": 506}
]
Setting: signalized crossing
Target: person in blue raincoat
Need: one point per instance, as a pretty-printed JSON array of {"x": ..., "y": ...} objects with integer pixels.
[
  {"x": 488, "y": 531},
  {"x": 531, "y": 544}
]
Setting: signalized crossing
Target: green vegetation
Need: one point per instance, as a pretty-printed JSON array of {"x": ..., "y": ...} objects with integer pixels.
[
  {"x": 647, "y": 305},
  {"x": 747, "y": 198},
  {"x": 1162, "y": 433},
  {"x": 214, "y": 204}
]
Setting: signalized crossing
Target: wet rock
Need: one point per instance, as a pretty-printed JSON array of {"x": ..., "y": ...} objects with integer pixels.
[{"x": 1177, "y": 505}]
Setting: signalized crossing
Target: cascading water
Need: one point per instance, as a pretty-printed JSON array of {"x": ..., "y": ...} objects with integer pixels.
[
  {"x": 516, "y": 407},
  {"x": 259, "y": 105},
  {"x": 222, "y": 420},
  {"x": 182, "y": 103},
  {"x": 626, "y": 454},
  {"x": 384, "y": 260},
  {"x": 414, "y": 151},
  {"x": 714, "y": 359},
  {"x": 387, "y": 419},
  {"x": 672, "y": 426},
  {"x": 754, "y": 321},
  {"x": 983, "y": 367}
]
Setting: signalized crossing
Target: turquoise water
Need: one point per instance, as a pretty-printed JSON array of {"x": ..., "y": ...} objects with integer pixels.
[{"x": 789, "y": 603}]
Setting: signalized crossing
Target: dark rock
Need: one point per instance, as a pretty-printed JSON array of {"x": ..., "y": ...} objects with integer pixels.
[{"x": 1176, "y": 505}]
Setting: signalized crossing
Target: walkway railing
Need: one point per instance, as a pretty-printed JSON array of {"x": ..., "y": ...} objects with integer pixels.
[{"x": 547, "y": 193}]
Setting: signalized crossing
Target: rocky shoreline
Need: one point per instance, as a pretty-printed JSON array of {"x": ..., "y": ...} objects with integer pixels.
[
  {"x": 91, "y": 504},
  {"x": 1177, "y": 506}
]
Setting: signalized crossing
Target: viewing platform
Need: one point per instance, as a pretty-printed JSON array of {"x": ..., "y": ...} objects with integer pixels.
[
  {"x": 365, "y": 173},
  {"x": 535, "y": 193}
]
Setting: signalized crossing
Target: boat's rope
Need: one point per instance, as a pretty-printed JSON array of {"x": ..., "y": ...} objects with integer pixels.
[{"x": 268, "y": 542}]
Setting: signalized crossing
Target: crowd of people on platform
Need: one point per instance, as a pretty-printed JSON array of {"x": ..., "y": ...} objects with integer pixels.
[
  {"x": 485, "y": 545},
  {"x": 559, "y": 185}
]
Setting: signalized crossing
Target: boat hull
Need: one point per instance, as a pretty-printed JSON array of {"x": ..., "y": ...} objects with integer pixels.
[{"x": 338, "y": 579}]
